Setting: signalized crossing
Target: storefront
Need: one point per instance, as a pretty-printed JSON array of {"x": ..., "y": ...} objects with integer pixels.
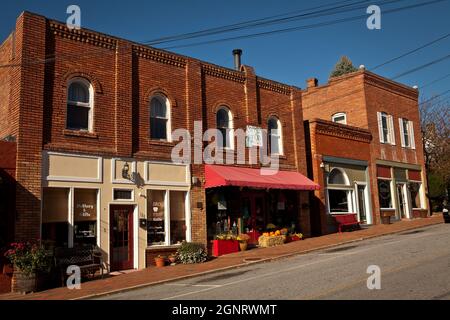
[
  {"x": 347, "y": 188},
  {"x": 241, "y": 200},
  {"x": 124, "y": 206},
  {"x": 400, "y": 191}
]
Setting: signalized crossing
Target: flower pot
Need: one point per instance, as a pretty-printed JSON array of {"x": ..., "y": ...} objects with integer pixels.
[
  {"x": 172, "y": 259},
  {"x": 243, "y": 245},
  {"x": 23, "y": 283},
  {"x": 160, "y": 262}
]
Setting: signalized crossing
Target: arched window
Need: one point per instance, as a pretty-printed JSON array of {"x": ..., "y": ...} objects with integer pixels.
[
  {"x": 79, "y": 105},
  {"x": 275, "y": 137},
  {"x": 340, "y": 117},
  {"x": 160, "y": 118},
  {"x": 338, "y": 176},
  {"x": 224, "y": 123}
]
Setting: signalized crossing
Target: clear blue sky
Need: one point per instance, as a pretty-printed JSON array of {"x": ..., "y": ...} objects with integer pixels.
[{"x": 289, "y": 57}]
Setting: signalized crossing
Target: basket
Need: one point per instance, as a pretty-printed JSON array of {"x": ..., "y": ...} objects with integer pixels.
[{"x": 271, "y": 241}]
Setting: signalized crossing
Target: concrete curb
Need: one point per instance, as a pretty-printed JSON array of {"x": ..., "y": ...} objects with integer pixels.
[{"x": 245, "y": 264}]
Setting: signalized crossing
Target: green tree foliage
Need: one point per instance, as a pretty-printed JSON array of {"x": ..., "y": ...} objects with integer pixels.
[{"x": 343, "y": 66}]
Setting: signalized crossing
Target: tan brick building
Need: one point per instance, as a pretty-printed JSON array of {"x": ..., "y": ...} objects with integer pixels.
[{"x": 373, "y": 124}]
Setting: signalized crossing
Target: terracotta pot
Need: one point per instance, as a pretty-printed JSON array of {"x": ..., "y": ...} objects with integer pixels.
[
  {"x": 243, "y": 245},
  {"x": 160, "y": 262},
  {"x": 23, "y": 283}
]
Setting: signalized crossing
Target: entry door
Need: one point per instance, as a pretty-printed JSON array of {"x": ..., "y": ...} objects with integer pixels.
[
  {"x": 401, "y": 197},
  {"x": 121, "y": 237},
  {"x": 362, "y": 205},
  {"x": 253, "y": 204}
]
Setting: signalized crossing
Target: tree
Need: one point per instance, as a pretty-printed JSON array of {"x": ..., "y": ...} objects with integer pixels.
[
  {"x": 343, "y": 66},
  {"x": 434, "y": 114}
]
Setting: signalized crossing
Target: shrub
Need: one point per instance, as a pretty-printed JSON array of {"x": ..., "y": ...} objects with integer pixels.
[
  {"x": 190, "y": 252},
  {"x": 28, "y": 257}
]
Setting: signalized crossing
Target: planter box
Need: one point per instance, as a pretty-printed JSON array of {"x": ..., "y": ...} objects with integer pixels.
[
  {"x": 221, "y": 247},
  {"x": 292, "y": 239}
]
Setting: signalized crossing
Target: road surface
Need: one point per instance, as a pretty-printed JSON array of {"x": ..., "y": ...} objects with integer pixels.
[{"x": 413, "y": 265}]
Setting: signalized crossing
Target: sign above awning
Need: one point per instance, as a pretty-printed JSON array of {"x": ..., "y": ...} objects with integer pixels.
[{"x": 222, "y": 176}]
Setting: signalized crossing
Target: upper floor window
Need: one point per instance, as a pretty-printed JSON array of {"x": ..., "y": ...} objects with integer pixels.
[
  {"x": 275, "y": 136},
  {"x": 80, "y": 105},
  {"x": 224, "y": 123},
  {"x": 406, "y": 133},
  {"x": 340, "y": 117},
  {"x": 160, "y": 118},
  {"x": 386, "y": 128}
]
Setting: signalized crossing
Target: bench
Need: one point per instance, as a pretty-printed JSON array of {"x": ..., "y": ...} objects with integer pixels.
[
  {"x": 88, "y": 259},
  {"x": 346, "y": 220}
]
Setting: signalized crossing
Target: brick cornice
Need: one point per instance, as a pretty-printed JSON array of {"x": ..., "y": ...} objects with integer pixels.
[
  {"x": 341, "y": 131},
  {"x": 273, "y": 86},
  {"x": 389, "y": 85},
  {"x": 223, "y": 73},
  {"x": 159, "y": 56},
  {"x": 82, "y": 35}
]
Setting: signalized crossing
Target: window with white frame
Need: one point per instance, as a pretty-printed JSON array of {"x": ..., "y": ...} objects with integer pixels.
[
  {"x": 79, "y": 105},
  {"x": 339, "y": 117},
  {"x": 386, "y": 128},
  {"x": 167, "y": 217},
  {"x": 406, "y": 133},
  {"x": 160, "y": 118},
  {"x": 275, "y": 138},
  {"x": 340, "y": 192},
  {"x": 415, "y": 192},
  {"x": 224, "y": 124}
]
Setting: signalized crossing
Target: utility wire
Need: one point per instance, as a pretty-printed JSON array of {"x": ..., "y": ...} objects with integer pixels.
[
  {"x": 426, "y": 65},
  {"x": 435, "y": 81},
  {"x": 411, "y": 52}
]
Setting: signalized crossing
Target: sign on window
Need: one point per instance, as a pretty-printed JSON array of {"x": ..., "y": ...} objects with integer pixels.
[{"x": 253, "y": 137}]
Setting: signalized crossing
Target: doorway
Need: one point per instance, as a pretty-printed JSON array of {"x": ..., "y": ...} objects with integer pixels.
[
  {"x": 401, "y": 200},
  {"x": 362, "y": 202},
  {"x": 121, "y": 237}
]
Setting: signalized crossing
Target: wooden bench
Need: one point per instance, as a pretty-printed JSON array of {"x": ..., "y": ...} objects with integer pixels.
[
  {"x": 88, "y": 259},
  {"x": 346, "y": 220}
]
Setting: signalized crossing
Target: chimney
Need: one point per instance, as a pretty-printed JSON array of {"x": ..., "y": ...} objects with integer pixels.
[
  {"x": 237, "y": 53},
  {"x": 312, "y": 83}
]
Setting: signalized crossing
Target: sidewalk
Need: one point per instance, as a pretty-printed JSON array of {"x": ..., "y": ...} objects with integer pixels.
[{"x": 152, "y": 276}]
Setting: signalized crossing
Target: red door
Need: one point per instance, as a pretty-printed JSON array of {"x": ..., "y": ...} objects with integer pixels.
[{"x": 121, "y": 237}]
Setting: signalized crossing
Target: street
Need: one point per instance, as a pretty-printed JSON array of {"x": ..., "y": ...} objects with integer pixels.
[{"x": 414, "y": 265}]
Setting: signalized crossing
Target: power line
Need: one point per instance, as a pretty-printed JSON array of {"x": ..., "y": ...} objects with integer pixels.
[
  {"x": 304, "y": 27},
  {"x": 435, "y": 81},
  {"x": 421, "y": 67},
  {"x": 411, "y": 52}
]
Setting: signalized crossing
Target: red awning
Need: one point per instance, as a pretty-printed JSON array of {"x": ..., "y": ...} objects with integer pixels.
[{"x": 222, "y": 176}]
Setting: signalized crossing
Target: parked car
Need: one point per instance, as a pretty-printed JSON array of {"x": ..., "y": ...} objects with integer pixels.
[{"x": 445, "y": 213}]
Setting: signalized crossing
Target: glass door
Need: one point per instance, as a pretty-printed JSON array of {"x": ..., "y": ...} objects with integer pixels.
[
  {"x": 401, "y": 200},
  {"x": 362, "y": 205},
  {"x": 121, "y": 237}
]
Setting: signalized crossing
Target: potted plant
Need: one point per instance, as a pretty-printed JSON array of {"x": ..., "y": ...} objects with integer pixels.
[
  {"x": 243, "y": 241},
  {"x": 191, "y": 252},
  {"x": 160, "y": 261},
  {"x": 27, "y": 259},
  {"x": 173, "y": 258},
  {"x": 225, "y": 243}
]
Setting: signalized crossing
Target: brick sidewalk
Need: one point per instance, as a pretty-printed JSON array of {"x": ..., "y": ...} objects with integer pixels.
[{"x": 152, "y": 276}]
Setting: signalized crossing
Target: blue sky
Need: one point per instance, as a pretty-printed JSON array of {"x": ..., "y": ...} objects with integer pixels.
[{"x": 288, "y": 57}]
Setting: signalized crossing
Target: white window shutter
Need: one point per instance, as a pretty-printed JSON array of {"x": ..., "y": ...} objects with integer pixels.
[
  {"x": 380, "y": 127},
  {"x": 391, "y": 130},
  {"x": 402, "y": 132},
  {"x": 411, "y": 135}
]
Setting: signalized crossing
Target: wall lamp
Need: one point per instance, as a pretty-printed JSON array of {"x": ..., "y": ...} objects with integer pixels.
[{"x": 325, "y": 166}]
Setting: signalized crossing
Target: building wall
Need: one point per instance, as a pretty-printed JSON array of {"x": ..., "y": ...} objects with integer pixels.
[
  {"x": 6, "y": 56},
  {"x": 124, "y": 76}
]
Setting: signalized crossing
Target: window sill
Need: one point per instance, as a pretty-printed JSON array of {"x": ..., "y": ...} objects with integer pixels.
[
  {"x": 161, "y": 143},
  {"x": 162, "y": 246},
  {"x": 83, "y": 134}
]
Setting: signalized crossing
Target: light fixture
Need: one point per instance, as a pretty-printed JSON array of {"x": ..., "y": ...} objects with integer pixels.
[
  {"x": 325, "y": 166},
  {"x": 126, "y": 171}
]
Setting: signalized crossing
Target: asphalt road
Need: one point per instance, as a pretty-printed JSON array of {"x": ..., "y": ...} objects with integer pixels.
[{"x": 413, "y": 265}]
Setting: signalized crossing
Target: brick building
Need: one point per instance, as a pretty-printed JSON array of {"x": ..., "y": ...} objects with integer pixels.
[
  {"x": 92, "y": 116},
  {"x": 371, "y": 125}
]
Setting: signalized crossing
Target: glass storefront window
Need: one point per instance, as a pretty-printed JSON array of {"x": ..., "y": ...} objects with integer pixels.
[
  {"x": 85, "y": 217},
  {"x": 177, "y": 217},
  {"x": 339, "y": 201},
  {"x": 384, "y": 194},
  {"x": 55, "y": 217},
  {"x": 414, "y": 189},
  {"x": 156, "y": 234}
]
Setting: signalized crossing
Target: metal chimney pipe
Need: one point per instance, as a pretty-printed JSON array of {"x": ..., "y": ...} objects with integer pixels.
[{"x": 237, "y": 53}]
